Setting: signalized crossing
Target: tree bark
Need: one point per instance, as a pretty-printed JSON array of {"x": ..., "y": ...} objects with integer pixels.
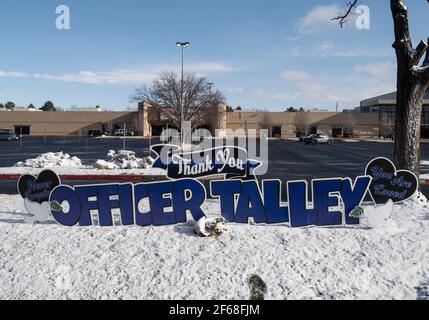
[
  {"x": 408, "y": 123},
  {"x": 412, "y": 84}
]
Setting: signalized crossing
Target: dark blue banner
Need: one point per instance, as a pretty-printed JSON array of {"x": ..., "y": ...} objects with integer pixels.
[{"x": 229, "y": 161}]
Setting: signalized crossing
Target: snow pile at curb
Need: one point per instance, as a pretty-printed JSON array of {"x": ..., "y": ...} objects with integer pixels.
[
  {"x": 121, "y": 162},
  {"x": 123, "y": 159},
  {"x": 48, "y": 261},
  {"x": 91, "y": 171},
  {"x": 52, "y": 160}
]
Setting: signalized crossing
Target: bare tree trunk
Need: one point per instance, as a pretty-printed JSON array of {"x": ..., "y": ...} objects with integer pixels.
[
  {"x": 412, "y": 83},
  {"x": 408, "y": 124}
]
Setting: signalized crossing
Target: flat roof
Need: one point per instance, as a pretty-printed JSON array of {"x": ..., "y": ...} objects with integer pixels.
[{"x": 387, "y": 99}]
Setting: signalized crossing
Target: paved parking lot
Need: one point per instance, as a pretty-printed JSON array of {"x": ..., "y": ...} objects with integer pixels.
[
  {"x": 87, "y": 149},
  {"x": 289, "y": 160},
  {"x": 293, "y": 160}
]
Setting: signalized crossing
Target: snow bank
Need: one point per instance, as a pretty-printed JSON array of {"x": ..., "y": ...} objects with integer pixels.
[
  {"x": 52, "y": 160},
  {"x": 122, "y": 159},
  {"x": 149, "y": 171},
  {"x": 117, "y": 163},
  {"x": 53, "y": 262}
]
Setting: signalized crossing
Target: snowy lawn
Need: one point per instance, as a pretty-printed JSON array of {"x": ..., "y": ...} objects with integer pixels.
[{"x": 53, "y": 262}]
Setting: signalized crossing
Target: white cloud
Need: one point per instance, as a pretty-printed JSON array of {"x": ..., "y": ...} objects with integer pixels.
[
  {"x": 326, "y": 46},
  {"x": 293, "y": 38},
  {"x": 210, "y": 67},
  {"x": 258, "y": 93},
  {"x": 380, "y": 70},
  {"x": 362, "y": 82},
  {"x": 318, "y": 20},
  {"x": 367, "y": 53},
  {"x": 294, "y": 75},
  {"x": 8, "y": 74},
  {"x": 120, "y": 76},
  {"x": 327, "y": 49},
  {"x": 285, "y": 96},
  {"x": 233, "y": 90},
  {"x": 111, "y": 77}
]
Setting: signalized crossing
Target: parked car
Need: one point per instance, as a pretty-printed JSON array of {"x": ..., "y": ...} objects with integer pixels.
[
  {"x": 124, "y": 132},
  {"x": 303, "y": 138},
  {"x": 94, "y": 133},
  {"x": 8, "y": 136},
  {"x": 319, "y": 139}
]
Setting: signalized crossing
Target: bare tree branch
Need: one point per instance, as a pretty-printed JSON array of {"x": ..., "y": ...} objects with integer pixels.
[
  {"x": 419, "y": 52},
  {"x": 301, "y": 122},
  {"x": 422, "y": 72},
  {"x": 342, "y": 19},
  {"x": 164, "y": 95},
  {"x": 426, "y": 60}
]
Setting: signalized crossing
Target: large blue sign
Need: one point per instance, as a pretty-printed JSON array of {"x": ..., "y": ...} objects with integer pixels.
[
  {"x": 333, "y": 200},
  {"x": 239, "y": 201}
]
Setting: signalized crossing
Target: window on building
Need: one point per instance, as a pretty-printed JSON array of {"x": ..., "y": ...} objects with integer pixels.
[
  {"x": 425, "y": 132},
  {"x": 157, "y": 130},
  {"x": 425, "y": 115},
  {"x": 277, "y": 131},
  {"x": 387, "y": 115},
  {"x": 22, "y": 130},
  {"x": 337, "y": 131}
]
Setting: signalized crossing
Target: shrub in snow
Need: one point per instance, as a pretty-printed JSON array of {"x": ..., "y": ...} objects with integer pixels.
[
  {"x": 123, "y": 159},
  {"x": 51, "y": 160}
]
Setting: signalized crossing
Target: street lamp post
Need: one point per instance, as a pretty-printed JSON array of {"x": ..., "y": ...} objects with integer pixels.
[
  {"x": 210, "y": 84},
  {"x": 182, "y": 45}
]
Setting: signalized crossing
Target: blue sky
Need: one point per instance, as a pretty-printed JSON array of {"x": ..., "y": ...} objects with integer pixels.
[{"x": 262, "y": 54}]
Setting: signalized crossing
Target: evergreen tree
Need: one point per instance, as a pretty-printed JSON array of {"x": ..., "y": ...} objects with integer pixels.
[
  {"x": 48, "y": 106},
  {"x": 10, "y": 105}
]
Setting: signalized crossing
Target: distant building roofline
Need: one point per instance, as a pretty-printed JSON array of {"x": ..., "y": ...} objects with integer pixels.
[{"x": 387, "y": 99}]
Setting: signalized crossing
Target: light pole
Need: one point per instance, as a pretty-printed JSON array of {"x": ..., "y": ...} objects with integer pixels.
[
  {"x": 182, "y": 45},
  {"x": 210, "y": 84}
]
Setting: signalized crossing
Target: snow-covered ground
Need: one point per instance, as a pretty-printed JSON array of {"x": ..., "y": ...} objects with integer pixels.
[{"x": 48, "y": 261}]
